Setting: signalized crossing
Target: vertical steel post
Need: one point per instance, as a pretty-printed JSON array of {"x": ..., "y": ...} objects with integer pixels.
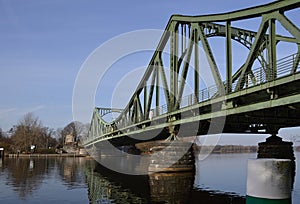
[
  {"x": 196, "y": 68},
  {"x": 173, "y": 64},
  {"x": 157, "y": 88},
  {"x": 145, "y": 101},
  {"x": 135, "y": 110},
  {"x": 182, "y": 38},
  {"x": 272, "y": 50},
  {"x": 164, "y": 81},
  {"x": 228, "y": 58}
]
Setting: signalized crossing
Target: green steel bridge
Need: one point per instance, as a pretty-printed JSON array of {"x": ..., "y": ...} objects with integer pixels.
[{"x": 261, "y": 93}]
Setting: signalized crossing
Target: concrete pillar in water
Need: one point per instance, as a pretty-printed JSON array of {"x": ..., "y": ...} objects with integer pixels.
[
  {"x": 269, "y": 181},
  {"x": 275, "y": 148},
  {"x": 168, "y": 156},
  {"x": 171, "y": 156}
]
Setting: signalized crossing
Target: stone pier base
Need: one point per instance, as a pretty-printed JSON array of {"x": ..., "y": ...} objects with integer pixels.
[
  {"x": 275, "y": 148},
  {"x": 169, "y": 156}
]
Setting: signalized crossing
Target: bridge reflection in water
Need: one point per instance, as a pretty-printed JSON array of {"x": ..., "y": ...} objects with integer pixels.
[{"x": 106, "y": 186}]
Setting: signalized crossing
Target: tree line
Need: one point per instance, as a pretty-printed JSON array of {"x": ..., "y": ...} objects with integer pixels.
[{"x": 30, "y": 135}]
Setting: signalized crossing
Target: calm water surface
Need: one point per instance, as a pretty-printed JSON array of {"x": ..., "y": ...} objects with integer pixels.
[{"x": 218, "y": 179}]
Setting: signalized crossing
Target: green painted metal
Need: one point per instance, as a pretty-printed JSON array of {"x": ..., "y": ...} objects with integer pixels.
[
  {"x": 296, "y": 61},
  {"x": 272, "y": 49},
  {"x": 254, "y": 200},
  {"x": 185, "y": 70},
  {"x": 258, "y": 106},
  {"x": 253, "y": 52},
  {"x": 157, "y": 102},
  {"x": 164, "y": 82},
  {"x": 228, "y": 57},
  {"x": 257, "y": 11},
  {"x": 173, "y": 65},
  {"x": 104, "y": 111},
  {"x": 211, "y": 61},
  {"x": 241, "y": 96},
  {"x": 145, "y": 100},
  {"x": 196, "y": 65}
]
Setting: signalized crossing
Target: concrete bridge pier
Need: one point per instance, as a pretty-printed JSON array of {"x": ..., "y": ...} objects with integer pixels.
[
  {"x": 275, "y": 148},
  {"x": 169, "y": 156}
]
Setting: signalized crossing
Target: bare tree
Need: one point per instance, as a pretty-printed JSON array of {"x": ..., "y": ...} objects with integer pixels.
[{"x": 30, "y": 131}]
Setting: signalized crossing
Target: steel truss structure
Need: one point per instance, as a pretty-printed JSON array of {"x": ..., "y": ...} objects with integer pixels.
[{"x": 249, "y": 99}]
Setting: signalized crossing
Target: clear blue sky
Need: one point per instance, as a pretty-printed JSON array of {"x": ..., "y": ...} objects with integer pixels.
[{"x": 43, "y": 44}]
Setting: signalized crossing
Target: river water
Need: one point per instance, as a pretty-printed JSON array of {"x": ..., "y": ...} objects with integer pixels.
[{"x": 220, "y": 178}]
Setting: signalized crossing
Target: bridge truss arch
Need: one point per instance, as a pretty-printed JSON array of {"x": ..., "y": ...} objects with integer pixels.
[{"x": 160, "y": 91}]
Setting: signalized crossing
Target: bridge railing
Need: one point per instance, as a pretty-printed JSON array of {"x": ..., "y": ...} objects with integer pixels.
[{"x": 259, "y": 77}]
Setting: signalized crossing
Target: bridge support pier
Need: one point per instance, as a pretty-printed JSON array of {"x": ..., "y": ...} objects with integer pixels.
[
  {"x": 275, "y": 148},
  {"x": 169, "y": 156}
]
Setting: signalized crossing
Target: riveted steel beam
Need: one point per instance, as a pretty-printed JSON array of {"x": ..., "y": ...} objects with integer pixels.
[
  {"x": 272, "y": 50},
  {"x": 157, "y": 91},
  {"x": 253, "y": 52},
  {"x": 152, "y": 85},
  {"x": 296, "y": 61},
  {"x": 162, "y": 74},
  {"x": 174, "y": 68},
  {"x": 253, "y": 12},
  {"x": 185, "y": 69},
  {"x": 211, "y": 61},
  {"x": 196, "y": 65},
  {"x": 289, "y": 26},
  {"x": 228, "y": 58}
]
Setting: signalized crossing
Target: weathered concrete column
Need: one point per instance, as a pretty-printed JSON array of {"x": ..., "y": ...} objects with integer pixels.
[
  {"x": 169, "y": 156},
  {"x": 274, "y": 147},
  {"x": 269, "y": 181}
]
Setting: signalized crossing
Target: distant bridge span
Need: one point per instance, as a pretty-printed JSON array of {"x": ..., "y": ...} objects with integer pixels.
[{"x": 246, "y": 100}]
